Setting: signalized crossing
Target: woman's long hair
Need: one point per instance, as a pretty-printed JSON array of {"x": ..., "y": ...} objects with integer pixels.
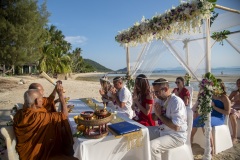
[
  {"x": 222, "y": 85},
  {"x": 142, "y": 86}
]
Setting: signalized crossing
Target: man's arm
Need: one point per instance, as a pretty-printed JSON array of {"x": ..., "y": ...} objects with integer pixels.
[
  {"x": 168, "y": 122},
  {"x": 119, "y": 103},
  {"x": 59, "y": 90}
]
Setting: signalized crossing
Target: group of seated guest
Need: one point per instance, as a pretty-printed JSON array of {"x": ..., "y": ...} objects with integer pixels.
[
  {"x": 173, "y": 131},
  {"x": 44, "y": 133},
  {"x": 220, "y": 109},
  {"x": 143, "y": 104}
]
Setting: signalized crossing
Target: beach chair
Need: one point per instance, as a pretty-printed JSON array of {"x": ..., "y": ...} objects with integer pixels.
[
  {"x": 190, "y": 89},
  {"x": 184, "y": 151},
  {"x": 10, "y": 140},
  {"x": 16, "y": 107},
  {"x": 221, "y": 137}
]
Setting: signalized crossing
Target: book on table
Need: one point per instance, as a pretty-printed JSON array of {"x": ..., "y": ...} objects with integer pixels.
[{"x": 123, "y": 127}]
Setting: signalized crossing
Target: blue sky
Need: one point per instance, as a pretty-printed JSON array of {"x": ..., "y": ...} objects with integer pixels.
[{"x": 93, "y": 24}]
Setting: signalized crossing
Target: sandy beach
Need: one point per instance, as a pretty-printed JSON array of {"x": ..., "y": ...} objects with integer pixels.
[{"x": 82, "y": 86}]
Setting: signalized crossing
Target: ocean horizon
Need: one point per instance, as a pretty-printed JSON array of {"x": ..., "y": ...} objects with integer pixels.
[{"x": 230, "y": 86}]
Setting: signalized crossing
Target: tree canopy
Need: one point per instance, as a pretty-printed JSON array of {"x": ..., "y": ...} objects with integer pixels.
[{"x": 21, "y": 31}]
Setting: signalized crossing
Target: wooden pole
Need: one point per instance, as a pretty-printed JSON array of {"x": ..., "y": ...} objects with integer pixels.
[
  {"x": 128, "y": 61},
  {"x": 207, "y": 127},
  {"x": 227, "y": 9},
  {"x": 208, "y": 46}
]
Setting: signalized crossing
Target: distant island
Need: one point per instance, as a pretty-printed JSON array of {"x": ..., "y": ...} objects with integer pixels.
[{"x": 98, "y": 67}]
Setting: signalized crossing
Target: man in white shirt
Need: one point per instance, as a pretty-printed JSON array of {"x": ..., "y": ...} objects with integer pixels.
[
  {"x": 122, "y": 96},
  {"x": 173, "y": 115}
]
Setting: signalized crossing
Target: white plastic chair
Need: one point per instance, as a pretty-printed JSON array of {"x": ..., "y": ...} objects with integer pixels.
[
  {"x": 10, "y": 140},
  {"x": 19, "y": 106},
  {"x": 190, "y": 89},
  {"x": 184, "y": 151},
  {"x": 16, "y": 107},
  {"x": 221, "y": 137}
]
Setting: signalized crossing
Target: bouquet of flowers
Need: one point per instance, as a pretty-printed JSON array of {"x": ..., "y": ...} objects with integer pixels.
[
  {"x": 208, "y": 86},
  {"x": 187, "y": 78}
]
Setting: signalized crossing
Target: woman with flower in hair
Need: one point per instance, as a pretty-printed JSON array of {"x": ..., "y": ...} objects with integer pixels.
[
  {"x": 105, "y": 89},
  {"x": 235, "y": 110},
  {"x": 220, "y": 109},
  {"x": 143, "y": 101}
]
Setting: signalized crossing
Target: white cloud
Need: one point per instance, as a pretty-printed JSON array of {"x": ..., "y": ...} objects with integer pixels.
[{"x": 76, "y": 40}]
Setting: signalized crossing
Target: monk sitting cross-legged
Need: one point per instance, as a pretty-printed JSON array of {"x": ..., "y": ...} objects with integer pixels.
[{"x": 43, "y": 135}]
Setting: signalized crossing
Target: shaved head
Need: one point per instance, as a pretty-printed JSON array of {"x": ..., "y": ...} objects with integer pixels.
[
  {"x": 32, "y": 97},
  {"x": 37, "y": 86}
]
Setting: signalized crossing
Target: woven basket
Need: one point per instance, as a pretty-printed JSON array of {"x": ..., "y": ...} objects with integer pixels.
[{"x": 94, "y": 122}]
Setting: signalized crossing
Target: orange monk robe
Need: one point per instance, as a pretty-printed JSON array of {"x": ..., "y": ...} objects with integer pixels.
[
  {"x": 41, "y": 134},
  {"x": 48, "y": 103}
]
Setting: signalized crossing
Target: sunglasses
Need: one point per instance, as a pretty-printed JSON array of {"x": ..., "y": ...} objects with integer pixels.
[
  {"x": 177, "y": 82},
  {"x": 158, "y": 91}
]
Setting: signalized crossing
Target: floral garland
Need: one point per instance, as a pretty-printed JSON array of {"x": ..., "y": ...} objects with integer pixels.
[
  {"x": 220, "y": 36},
  {"x": 187, "y": 78},
  {"x": 178, "y": 20},
  {"x": 129, "y": 82},
  {"x": 208, "y": 86}
]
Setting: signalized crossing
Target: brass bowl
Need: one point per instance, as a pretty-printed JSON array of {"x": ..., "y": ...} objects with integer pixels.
[
  {"x": 93, "y": 121},
  {"x": 102, "y": 112},
  {"x": 87, "y": 114}
]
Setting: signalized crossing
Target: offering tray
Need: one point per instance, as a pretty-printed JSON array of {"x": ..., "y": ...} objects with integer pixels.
[
  {"x": 93, "y": 121},
  {"x": 95, "y": 124},
  {"x": 87, "y": 115},
  {"x": 101, "y": 113}
]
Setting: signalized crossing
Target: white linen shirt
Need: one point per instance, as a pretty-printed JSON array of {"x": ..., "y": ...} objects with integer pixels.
[
  {"x": 125, "y": 96},
  {"x": 176, "y": 111}
]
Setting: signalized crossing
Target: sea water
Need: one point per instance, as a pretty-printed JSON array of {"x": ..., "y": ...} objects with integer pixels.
[{"x": 230, "y": 86}]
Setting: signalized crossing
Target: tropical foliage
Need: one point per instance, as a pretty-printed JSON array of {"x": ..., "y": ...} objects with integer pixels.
[
  {"x": 27, "y": 39},
  {"x": 130, "y": 82},
  {"x": 220, "y": 36},
  {"x": 55, "y": 58},
  {"x": 21, "y": 31}
]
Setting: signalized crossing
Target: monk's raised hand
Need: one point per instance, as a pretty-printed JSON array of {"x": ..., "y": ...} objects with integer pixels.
[{"x": 59, "y": 88}]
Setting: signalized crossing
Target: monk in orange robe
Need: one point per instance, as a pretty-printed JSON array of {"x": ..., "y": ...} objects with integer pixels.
[
  {"x": 48, "y": 102},
  {"x": 42, "y": 135}
]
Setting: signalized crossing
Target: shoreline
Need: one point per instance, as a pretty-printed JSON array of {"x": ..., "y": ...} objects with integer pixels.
[{"x": 169, "y": 77}]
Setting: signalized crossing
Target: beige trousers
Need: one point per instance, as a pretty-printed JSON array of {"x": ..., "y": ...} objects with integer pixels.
[{"x": 161, "y": 144}]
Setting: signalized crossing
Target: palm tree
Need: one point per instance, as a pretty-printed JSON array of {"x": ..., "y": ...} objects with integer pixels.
[{"x": 54, "y": 58}]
